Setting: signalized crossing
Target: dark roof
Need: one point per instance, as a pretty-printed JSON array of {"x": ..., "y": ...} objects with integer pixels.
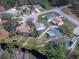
[
  {"x": 50, "y": 15},
  {"x": 53, "y": 32}
]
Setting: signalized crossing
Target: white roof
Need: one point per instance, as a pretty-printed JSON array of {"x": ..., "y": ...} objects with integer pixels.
[
  {"x": 13, "y": 11},
  {"x": 36, "y": 6},
  {"x": 39, "y": 26},
  {"x": 76, "y": 31}
]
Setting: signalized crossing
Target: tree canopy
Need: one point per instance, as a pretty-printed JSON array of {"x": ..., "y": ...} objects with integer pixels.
[{"x": 55, "y": 50}]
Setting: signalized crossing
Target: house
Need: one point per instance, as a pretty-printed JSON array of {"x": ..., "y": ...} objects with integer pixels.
[
  {"x": 24, "y": 29},
  {"x": 76, "y": 31},
  {"x": 70, "y": 43},
  {"x": 3, "y": 33},
  {"x": 39, "y": 26},
  {"x": 13, "y": 11},
  {"x": 53, "y": 32},
  {"x": 57, "y": 21},
  {"x": 36, "y": 6},
  {"x": 49, "y": 16}
]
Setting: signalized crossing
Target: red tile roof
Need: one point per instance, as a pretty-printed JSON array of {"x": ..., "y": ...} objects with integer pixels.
[
  {"x": 58, "y": 20},
  {"x": 24, "y": 28}
]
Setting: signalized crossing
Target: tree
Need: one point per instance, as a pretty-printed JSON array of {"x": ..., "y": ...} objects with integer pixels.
[
  {"x": 6, "y": 16},
  {"x": 8, "y": 3},
  {"x": 59, "y": 2},
  {"x": 44, "y": 3},
  {"x": 11, "y": 26},
  {"x": 55, "y": 50},
  {"x": 75, "y": 5}
]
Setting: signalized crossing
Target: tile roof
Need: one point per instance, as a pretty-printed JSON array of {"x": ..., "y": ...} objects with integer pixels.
[{"x": 24, "y": 28}]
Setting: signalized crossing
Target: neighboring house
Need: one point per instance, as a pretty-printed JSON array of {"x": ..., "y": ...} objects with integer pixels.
[
  {"x": 39, "y": 26},
  {"x": 57, "y": 21},
  {"x": 36, "y": 6},
  {"x": 76, "y": 31},
  {"x": 50, "y": 16},
  {"x": 13, "y": 11},
  {"x": 53, "y": 32},
  {"x": 70, "y": 43},
  {"x": 24, "y": 29},
  {"x": 3, "y": 33}
]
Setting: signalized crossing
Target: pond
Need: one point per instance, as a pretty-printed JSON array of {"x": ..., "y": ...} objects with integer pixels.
[{"x": 37, "y": 54}]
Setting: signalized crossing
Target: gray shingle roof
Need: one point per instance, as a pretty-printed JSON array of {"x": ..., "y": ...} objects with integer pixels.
[{"x": 39, "y": 26}]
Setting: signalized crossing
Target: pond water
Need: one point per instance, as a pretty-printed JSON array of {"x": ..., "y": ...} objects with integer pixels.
[{"x": 37, "y": 54}]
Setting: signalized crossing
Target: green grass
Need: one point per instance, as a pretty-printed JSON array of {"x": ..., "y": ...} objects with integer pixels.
[
  {"x": 31, "y": 43},
  {"x": 22, "y": 40},
  {"x": 69, "y": 25},
  {"x": 43, "y": 38}
]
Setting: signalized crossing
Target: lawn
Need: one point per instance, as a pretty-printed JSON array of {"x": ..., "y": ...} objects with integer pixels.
[
  {"x": 31, "y": 43},
  {"x": 69, "y": 25},
  {"x": 42, "y": 39}
]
